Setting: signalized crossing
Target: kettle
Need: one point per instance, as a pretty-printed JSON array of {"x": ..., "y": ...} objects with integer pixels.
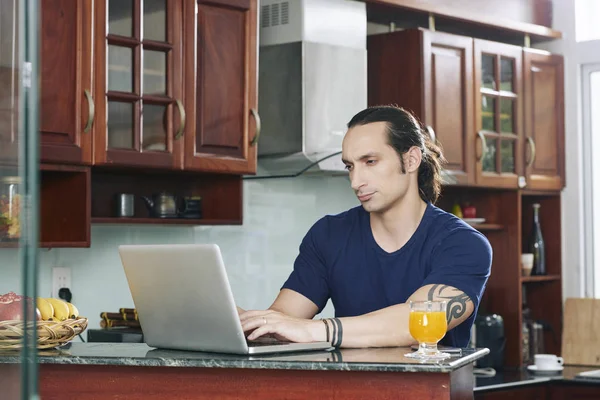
[{"x": 162, "y": 205}]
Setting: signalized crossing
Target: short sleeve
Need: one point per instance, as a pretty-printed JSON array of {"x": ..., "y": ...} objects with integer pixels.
[
  {"x": 463, "y": 260},
  {"x": 309, "y": 276}
]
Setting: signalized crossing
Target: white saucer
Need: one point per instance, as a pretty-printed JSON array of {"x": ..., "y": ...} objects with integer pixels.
[
  {"x": 534, "y": 368},
  {"x": 474, "y": 221}
]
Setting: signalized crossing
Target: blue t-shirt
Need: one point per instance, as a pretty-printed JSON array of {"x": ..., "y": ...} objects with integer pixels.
[{"x": 340, "y": 259}]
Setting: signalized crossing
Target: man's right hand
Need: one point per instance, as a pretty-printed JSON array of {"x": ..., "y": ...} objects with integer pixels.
[{"x": 240, "y": 310}]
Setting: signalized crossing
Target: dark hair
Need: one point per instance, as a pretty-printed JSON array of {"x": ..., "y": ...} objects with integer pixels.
[{"x": 404, "y": 132}]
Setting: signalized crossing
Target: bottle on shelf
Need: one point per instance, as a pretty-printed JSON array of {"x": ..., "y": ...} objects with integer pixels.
[{"x": 536, "y": 244}]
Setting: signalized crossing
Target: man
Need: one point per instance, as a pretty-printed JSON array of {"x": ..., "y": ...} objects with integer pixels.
[{"x": 373, "y": 259}]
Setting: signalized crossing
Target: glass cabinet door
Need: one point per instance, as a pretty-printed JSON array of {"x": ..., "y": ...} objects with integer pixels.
[
  {"x": 19, "y": 168},
  {"x": 141, "y": 49},
  {"x": 498, "y": 81}
]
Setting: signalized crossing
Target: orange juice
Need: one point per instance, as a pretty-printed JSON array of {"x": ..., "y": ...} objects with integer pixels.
[{"x": 427, "y": 326}]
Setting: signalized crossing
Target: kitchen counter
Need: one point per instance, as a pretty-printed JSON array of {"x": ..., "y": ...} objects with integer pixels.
[
  {"x": 140, "y": 354},
  {"x": 522, "y": 377},
  {"x": 134, "y": 370}
]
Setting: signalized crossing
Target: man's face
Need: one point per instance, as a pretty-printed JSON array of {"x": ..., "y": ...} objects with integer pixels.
[{"x": 374, "y": 166}]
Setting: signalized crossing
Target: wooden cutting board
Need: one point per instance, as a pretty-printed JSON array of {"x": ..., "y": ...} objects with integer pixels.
[{"x": 581, "y": 332}]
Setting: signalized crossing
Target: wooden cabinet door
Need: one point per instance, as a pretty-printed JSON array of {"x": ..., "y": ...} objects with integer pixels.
[
  {"x": 221, "y": 79},
  {"x": 138, "y": 62},
  {"x": 498, "y": 114},
  {"x": 66, "y": 93},
  {"x": 448, "y": 99},
  {"x": 544, "y": 135}
]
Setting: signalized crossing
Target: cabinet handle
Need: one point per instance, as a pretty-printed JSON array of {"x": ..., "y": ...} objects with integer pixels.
[
  {"x": 91, "y": 111},
  {"x": 532, "y": 145},
  {"x": 483, "y": 145},
  {"x": 181, "y": 120},
  {"x": 258, "y": 126}
]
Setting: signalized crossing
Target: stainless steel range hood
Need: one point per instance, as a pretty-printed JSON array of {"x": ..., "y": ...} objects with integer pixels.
[{"x": 312, "y": 80}]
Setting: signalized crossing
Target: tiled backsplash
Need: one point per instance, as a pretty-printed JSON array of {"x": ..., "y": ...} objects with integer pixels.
[{"x": 258, "y": 255}]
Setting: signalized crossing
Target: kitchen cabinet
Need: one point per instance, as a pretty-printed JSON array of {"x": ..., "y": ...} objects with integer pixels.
[
  {"x": 66, "y": 112},
  {"x": 221, "y": 86},
  {"x": 432, "y": 76},
  {"x": 177, "y": 81},
  {"x": 544, "y": 133},
  {"x": 138, "y": 75},
  {"x": 498, "y": 113},
  {"x": 497, "y": 110}
]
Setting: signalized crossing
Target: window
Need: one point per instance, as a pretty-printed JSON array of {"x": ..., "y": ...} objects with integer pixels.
[
  {"x": 587, "y": 16},
  {"x": 591, "y": 168}
]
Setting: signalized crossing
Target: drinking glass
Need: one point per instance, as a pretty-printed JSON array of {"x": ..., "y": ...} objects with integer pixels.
[{"x": 427, "y": 324}]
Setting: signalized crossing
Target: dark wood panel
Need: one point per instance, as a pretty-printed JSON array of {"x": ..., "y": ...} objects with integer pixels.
[
  {"x": 536, "y": 392},
  {"x": 221, "y": 94},
  {"x": 395, "y": 70},
  {"x": 220, "y": 88},
  {"x": 102, "y": 382},
  {"x": 64, "y": 206},
  {"x": 532, "y": 17},
  {"x": 65, "y": 73},
  {"x": 544, "y": 119},
  {"x": 448, "y": 69}
]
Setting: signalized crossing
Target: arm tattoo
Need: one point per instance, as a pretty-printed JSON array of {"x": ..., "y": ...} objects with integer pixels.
[{"x": 457, "y": 300}]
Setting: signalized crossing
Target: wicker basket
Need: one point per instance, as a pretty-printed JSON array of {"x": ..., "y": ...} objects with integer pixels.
[{"x": 50, "y": 333}]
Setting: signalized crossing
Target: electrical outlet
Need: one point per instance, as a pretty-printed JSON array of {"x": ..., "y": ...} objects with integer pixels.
[{"x": 61, "y": 278}]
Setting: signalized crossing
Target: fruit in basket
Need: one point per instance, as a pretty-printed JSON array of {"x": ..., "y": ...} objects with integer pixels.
[
  {"x": 45, "y": 308},
  {"x": 61, "y": 309},
  {"x": 11, "y": 307},
  {"x": 73, "y": 311}
]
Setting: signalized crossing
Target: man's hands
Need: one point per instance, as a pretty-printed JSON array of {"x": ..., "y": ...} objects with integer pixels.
[{"x": 281, "y": 326}]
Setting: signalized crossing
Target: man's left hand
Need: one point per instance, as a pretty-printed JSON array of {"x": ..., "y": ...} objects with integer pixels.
[{"x": 281, "y": 326}]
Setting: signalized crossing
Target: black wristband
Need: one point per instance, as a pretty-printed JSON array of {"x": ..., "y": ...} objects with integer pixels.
[
  {"x": 326, "y": 329},
  {"x": 340, "y": 330}
]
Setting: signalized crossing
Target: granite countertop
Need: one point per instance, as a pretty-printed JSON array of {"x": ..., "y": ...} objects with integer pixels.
[
  {"x": 140, "y": 354},
  {"x": 506, "y": 379}
]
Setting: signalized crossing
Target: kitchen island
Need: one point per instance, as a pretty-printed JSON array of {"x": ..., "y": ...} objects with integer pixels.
[{"x": 136, "y": 371}]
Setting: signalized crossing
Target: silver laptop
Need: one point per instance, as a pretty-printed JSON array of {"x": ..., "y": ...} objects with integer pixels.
[{"x": 184, "y": 301}]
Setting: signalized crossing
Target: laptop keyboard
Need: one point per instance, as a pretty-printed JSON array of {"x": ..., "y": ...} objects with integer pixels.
[{"x": 261, "y": 342}]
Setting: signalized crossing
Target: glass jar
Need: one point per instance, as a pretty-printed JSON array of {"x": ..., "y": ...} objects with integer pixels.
[{"x": 10, "y": 206}]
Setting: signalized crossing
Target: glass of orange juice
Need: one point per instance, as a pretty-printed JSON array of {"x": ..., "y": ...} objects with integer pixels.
[{"x": 427, "y": 324}]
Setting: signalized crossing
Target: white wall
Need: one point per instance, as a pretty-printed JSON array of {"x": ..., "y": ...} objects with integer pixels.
[
  {"x": 572, "y": 198},
  {"x": 258, "y": 255}
]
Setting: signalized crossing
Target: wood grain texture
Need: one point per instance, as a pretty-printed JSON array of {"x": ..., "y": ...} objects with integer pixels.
[
  {"x": 543, "y": 79},
  {"x": 65, "y": 72},
  {"x": 580, "y": 341},
  {"x": 111, "y": 382},
  {"x": 533, "y": 17},
  {"x": 430, "y": 74},
  {"x": 65, "y": 206},
  {"x": 221, "y": 77},
  {"x": 448, "y": 69}
]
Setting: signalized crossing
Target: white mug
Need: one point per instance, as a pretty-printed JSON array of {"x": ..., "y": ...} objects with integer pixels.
[{"x": 547, "y": 361}]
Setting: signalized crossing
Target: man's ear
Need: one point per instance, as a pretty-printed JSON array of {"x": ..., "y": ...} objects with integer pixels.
[{"x": 412, "y": 159}]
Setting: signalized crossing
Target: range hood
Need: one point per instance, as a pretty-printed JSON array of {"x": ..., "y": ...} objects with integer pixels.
[{"x": 312, "y": 80}]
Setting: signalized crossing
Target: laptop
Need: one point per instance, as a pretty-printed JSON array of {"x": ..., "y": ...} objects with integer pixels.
[{"x": 184, "y": 301}]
